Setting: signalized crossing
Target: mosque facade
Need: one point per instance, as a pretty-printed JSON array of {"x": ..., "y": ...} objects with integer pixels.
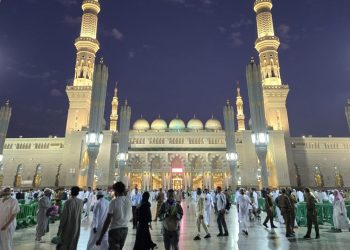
[{"x": 176, "y": 154}]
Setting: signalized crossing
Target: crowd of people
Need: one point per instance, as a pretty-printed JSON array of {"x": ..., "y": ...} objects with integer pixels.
[{"x": 113, "y": 210}]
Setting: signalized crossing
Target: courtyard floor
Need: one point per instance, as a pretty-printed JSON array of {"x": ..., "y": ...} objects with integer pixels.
[{"x": 259, "y": 238}]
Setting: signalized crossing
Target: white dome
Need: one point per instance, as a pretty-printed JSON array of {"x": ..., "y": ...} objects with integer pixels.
[
  {"x": 177, "y": 124},
  {"x": 195, "y": 124},
  {"x": 141, "y": 124},
  {"x": 213, "y": 124},
  {"x": 159, "y": 124}
]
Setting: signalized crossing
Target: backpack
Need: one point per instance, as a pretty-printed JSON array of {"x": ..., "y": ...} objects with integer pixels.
[{"x": 171, "y": 222}]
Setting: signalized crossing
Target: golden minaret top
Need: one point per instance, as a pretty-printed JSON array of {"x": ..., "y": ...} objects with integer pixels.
[
  {"x": 267, "y": 43},
  {"x": 239, "y": 106},
  {"x": 87, "y": 44},
  {"x": 113, "y": 126}
]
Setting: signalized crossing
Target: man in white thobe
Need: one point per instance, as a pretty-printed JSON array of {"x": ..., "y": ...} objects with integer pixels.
[
  {"x": 42, "y": 218},
  {"x": 9, "y": 208},
  {"x": 300, "y": 196},
  {"x": 88, "y": 195},
  {"x": 243, "y": 203},
  {"x": 208, "y": 205},
  {"x": 99, "y": 216}
]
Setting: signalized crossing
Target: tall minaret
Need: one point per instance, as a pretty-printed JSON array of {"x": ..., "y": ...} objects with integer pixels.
[
  {"x": 114, "y": 113},
  {"x": 267, "y": 44},
  {"x": 347, "y": 113},
  {"x": 240, "y": 113},
  {"x": 79, "y": 93}
]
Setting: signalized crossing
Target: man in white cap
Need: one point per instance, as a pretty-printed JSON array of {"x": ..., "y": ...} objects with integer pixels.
[
  {"x": 99, "y": 216},
  {"x": 9, "y": 208}
]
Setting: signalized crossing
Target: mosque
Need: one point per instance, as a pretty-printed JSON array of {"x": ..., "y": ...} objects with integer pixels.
[{"x": 173, "y": 154}]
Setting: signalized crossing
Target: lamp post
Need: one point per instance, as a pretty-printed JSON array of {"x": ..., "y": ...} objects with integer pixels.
[
  {"x": 94, "y": 136},
  {"x": 231, "y": 155},
  {"x": 260, "y": 136}
]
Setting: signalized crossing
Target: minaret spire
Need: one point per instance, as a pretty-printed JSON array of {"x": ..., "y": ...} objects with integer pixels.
[
  {"x": 114, "y": 114},
  {"x": 239, "y": 106},
  {"x": 87, "y": 45},
  {"x": 267, "y": 44}
]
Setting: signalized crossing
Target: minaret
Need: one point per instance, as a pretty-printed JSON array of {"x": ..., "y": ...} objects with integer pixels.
[
  {"x": 114, "y": 113},
  {"x": 240, "y": 113},
  {"x": 347, "y": 113},
  {"x": 79, "y": 93},
  {"x": 267, "y": 44}
]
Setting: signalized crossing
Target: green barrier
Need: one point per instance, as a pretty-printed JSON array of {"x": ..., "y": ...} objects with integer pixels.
[
  {"x": 301, "y": 214},
  {"x": 328, "y": 213},
  {"x": 261, "y": 204},
  {"x": 319, "y": 209}
]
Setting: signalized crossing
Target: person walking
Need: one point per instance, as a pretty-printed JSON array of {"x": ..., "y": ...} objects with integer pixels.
[
  {"x": 69, "y": 228},
  {"x": 43, "y": 216},
  {"x": 99, "y": 216},
  {"x": 340, "y": 218},
  {"x": 135, "y": 201},
  {"x": 243, "y": 202},
  {"x": 143, "y": 239},
  {"x": 171, "y": 214},
  {"x": 208, "y": 205},
  {"x": 200, "y": 213},
  {"x": 269, "y": 209},
  {"x": 88, "y": 196},
  {"x": 285, "y": 206},
  {"x": 9, "y": 208},
  {"x": 311, "y": 214},
  {"x": 221, "y": 210},
  {"x": 119, "y": 214},
  {"x": 160, "y": 200},
  {"x": 293, "y": 206}
]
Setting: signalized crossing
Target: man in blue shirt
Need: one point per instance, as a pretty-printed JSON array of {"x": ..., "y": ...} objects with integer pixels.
[{"x": 135, "y": 201}]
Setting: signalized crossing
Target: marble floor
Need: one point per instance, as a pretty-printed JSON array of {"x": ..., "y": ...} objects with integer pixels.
[{"x": 259, "y": 238}]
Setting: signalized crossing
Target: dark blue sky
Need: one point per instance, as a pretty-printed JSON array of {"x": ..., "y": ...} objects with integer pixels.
[{"x": 174, "y": 57}]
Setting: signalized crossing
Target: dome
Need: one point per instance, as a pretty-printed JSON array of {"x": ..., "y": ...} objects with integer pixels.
[
  {"x": 159, "y": 124},
  {"x": 195, "y": 124},
  {"x": 213, "y": 124},
  {"x": 177, "y": 124},
  {"x": 141, "y": 124}
]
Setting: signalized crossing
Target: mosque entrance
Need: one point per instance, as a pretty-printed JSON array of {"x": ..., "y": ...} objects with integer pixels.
[
  {"x": 177, "y": 183},
  {"x": 197, "y": 180},
  {"x": 156, "y": 181},
  {"x": 218, "y": 180},
  {"x": 136, "y": 180}
]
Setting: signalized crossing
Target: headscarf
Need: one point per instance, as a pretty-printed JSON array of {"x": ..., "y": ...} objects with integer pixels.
[{"x": 337, "y": 196}]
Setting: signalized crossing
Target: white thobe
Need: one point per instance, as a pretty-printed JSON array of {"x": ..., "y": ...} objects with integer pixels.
[
  {"x": 87, "y": 206},
  {"x": 243, "y": 202},
  {"x": 99, "y": 216},
  {"x": 208, "y": 206},
  {"x": 8, "y": 208},
  {"x": 340, "y": 218},
  {"x": 300, "y": 196}
]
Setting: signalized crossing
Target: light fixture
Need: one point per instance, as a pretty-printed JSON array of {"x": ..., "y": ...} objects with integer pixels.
[
  {"x": 231, "y": 156},
  {"x": 1, "y": 157},
  {"x": 260, "y": 138},
  {"x": 122, "y": 157},
  {"x": 94, "y": 138}
]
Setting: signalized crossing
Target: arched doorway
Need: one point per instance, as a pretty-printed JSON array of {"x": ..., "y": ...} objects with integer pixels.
[{"x": 177, "y": 170}]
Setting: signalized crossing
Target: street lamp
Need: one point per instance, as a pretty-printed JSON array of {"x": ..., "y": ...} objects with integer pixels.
[
  {"x": 93, "y": 142},
  {"x": 260, "y": 139},
  {"x": 231, "y": 156},
  {"x": 1, "y": 157}
]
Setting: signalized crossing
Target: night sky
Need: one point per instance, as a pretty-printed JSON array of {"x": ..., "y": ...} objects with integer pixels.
[{"x": 174, "y": 57}]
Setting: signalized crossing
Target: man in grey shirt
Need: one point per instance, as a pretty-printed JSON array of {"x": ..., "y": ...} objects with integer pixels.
[{"x": 119, "y": 214}]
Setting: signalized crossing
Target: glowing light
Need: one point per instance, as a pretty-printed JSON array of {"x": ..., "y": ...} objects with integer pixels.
[
  {"x": 177, "y": 170},
  {"x": 1, "y": 157},
  {"x": 231, "y": 156}
]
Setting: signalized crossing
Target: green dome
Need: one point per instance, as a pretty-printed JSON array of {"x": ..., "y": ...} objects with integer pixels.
[{"x": 177, "y": 124}]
